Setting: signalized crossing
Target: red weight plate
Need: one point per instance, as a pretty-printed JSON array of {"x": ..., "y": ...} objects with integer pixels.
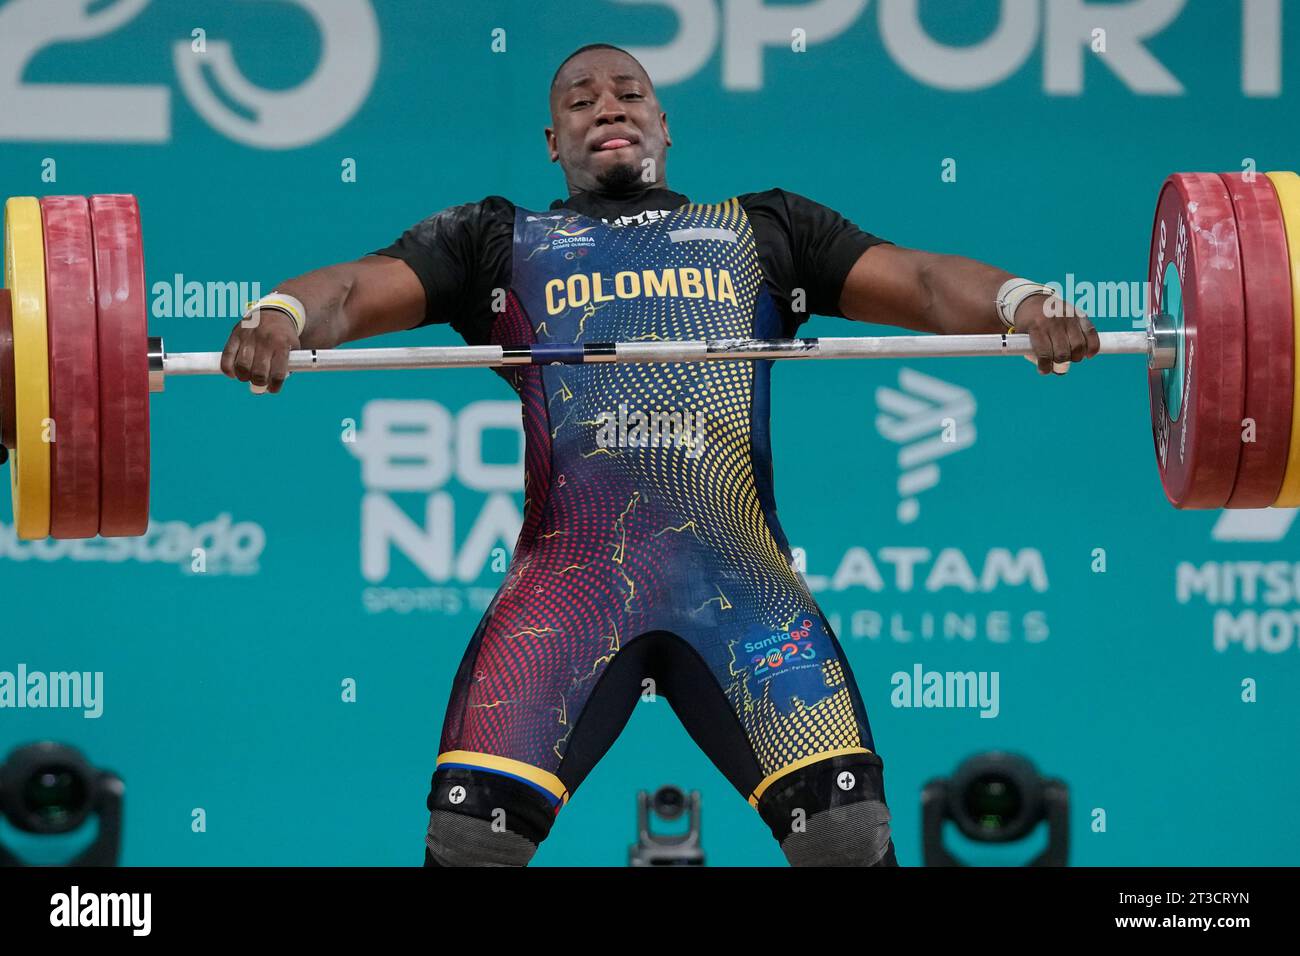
[
  {"x": 74, "y": 367},
  {"x": 1195, "y": 276},
  {"x": 8, "y": 402},
  {"x": 1270, "y": 372},
  {"x": 123, "y": 366}
]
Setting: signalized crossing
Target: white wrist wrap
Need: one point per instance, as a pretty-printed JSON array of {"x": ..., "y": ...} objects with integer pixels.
[
  {"x": 281, "y": 302},
  {"x": 1012, "y": 293}
]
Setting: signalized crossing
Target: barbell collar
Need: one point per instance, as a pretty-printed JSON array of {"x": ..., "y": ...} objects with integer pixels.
[
  {"x": 157, "y": 366},
  {"x": 1163, "y": 350}
]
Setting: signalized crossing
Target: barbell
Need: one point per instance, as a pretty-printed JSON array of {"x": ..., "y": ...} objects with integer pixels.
[{"x": 1222, "y": 340}]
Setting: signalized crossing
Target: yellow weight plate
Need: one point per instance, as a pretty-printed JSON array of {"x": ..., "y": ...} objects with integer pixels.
[
  {"x": 29, "y": 470},
  {"x": 1288, "y": 193}
]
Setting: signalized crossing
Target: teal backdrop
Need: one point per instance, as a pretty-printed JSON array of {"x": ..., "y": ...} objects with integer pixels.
[{"x": 342, "y": 552}]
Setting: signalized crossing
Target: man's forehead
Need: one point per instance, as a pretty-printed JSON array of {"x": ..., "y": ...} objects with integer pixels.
[{"x": 595, "y": 64}]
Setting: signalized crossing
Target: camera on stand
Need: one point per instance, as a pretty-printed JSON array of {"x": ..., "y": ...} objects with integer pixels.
[
  {"x": 667, "y": 849},
  {"x": 50, "y": 789}
]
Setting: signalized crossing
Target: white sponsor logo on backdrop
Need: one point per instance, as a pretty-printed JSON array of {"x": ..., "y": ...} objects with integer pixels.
[
  {"x": 949, "y": 571},
  {"x": 141, "y": 113},
  {"x": 1065, "y": 33},
  {"x": 218, "y": 547},
  {"x": 410, "y": 452},
  {"x": 1256, "y": 603},
  {"x": 1253, "y": 524},
  {"x": 929, "y": 419}
]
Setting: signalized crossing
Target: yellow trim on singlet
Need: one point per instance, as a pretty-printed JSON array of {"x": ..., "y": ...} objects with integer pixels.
[
  {"x": 799, "y": 765},
  {"x": 535, "y": 775}
]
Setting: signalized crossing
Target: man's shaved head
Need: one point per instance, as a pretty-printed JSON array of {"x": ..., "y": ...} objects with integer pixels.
[
  {"x": 596, "y": 46},
  {"x": 607, "y": 130}
]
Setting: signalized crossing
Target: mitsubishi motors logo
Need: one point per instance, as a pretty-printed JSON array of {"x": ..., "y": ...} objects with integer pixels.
[
  {"x": 1257, "y": 524},
  {"x": 1255, "y": 600}
]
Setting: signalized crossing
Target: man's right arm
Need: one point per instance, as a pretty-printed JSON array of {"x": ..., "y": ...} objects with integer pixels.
[
  {"x": 432, "y": 273},
  {"x": 344, "y": 302}
]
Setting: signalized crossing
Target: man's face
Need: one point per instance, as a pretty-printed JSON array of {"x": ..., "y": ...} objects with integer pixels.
[{"x": 606, "y": 124}]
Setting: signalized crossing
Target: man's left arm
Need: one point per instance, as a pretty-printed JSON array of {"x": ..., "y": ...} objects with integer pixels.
[{"x": 946, "y": 295}]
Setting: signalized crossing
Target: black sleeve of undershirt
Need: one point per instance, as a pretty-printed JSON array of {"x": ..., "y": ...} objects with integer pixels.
[
  {"x": 461, "y": 255},
  {"x": 805, "y": 245}
]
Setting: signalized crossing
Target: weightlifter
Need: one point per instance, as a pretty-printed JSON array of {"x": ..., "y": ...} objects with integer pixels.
[{"x": 647, "y": 566}]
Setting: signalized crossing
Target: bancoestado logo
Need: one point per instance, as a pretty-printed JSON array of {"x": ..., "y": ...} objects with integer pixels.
[
  {"x": 221, "y": 546},
  {"x": 419, "y": 458}
]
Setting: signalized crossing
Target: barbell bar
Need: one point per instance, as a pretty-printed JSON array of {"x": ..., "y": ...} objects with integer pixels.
[
  {"x": 1159, "y": 345},
  {"x": 1221, "y": 345}
]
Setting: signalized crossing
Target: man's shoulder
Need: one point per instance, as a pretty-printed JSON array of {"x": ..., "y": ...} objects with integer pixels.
[
  {"x": 778, "y": 199},
  {"x": 489, "y": 207},
  {"x": 762, "y": 196},
  {"x": 772, "y": 204},
  {"x": 493, "y": 206}
]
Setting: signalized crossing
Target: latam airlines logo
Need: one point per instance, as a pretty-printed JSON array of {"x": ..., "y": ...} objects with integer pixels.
[
  {"x": 929, "y": 419},
  {"x": 986, "y": 594}
]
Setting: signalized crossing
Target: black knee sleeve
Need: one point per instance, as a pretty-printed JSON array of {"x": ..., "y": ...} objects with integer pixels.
[
  {"x": 832, "y": 813},
  {"x": 479, "y": 818}
]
